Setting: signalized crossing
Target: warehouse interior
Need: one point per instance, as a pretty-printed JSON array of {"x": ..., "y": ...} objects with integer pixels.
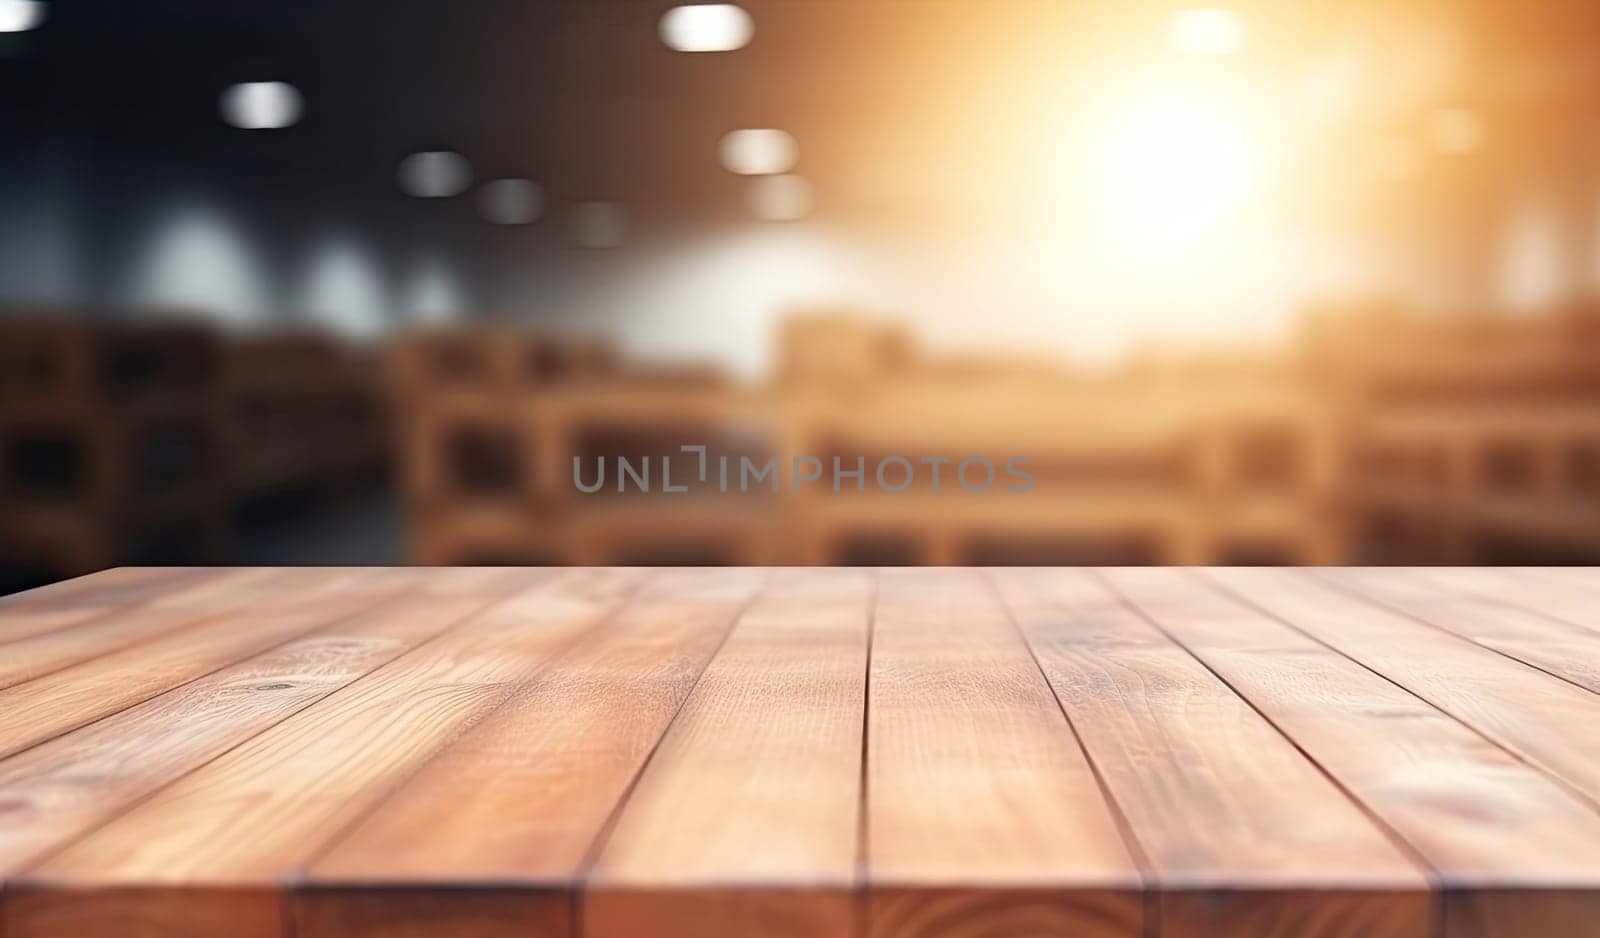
[{"x": 1244, "y": 282}]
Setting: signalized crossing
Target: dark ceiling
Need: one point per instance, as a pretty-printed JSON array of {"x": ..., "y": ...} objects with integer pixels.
[
  {"x": 902, "y": 108},
  {"x": 581, "y": 96}
]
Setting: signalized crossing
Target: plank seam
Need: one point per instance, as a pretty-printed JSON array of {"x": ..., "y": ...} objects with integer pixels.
[
  {"x": 200, "y": 617},
  {"x": 1433, "y": 876},
  {"x": 860, "y": 903},
  {"x": 22, "y": 601},
  {"x": 1149, "y": 881},
  {"x": 187, "y": 619},
  {"x": 1356, "y": 593},
  {"x": 591, "y": 855},
  {"x": 1468, "y": 593},
  {"x": 44, "y": 856},
  {"x": 295, "y": 880},
  {"x": 276, "y": 646},
  {"x": 1508, "y": 750}
]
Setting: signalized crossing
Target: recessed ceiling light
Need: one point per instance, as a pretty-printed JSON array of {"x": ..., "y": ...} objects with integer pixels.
[
  {"x": 19, "y": 16},
  {"x": 781, "y": 198},
  {"x": 435, "y": 174},
  {"x": 706, "y": 27},
  {"x": 758, "y": 152},
  {"x": 511, "y": 201},
  {"x": 262, "y": 105}
]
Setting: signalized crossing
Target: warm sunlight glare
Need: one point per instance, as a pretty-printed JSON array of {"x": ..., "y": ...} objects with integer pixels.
[{"x": 1173, "y": 167}]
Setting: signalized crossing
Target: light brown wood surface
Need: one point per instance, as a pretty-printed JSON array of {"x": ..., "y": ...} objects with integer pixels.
[
  {"x": 981, "y": 807},
  {"x": 1217, "y": 799},
  {"x": 521, "y": 799},
  {"x": 1474, "y": 608},
  {"x": 751, "y": 753},
  {"x": 747, "y": 814},
  {"x": 1476, "y": 816}
]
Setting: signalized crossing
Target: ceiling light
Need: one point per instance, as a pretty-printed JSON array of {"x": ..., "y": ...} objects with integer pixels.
[
  {"x": 706, "y": 27},
  {"x": 19, "y": 16},
  {"x": 435, "y": 174},
  {"x": 758, "y": 152},
  {"x": 262, "y": 105}
]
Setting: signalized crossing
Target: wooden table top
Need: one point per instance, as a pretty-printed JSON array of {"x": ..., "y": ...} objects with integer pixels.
[{"x": 638, "y": 753}]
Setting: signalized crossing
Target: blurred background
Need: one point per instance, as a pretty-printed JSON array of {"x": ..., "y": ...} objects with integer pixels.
[{"x": 1255, "y": 282}]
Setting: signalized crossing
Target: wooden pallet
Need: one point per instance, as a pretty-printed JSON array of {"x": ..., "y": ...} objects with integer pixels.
[
  {"x": 800, "y": 752},
  {"x": 302, "y": 414},
  {"x": 110, "y": 445}
]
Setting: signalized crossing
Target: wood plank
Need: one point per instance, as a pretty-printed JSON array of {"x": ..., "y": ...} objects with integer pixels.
[
  {"x": 26, "y": 622},
  {"x": 1542, "y": 719},
  {"x": 110, "y": 587},
  {"x": 1550, "y": 591},
  {"x": 162, "y": 866},
  {"x": 37, "y": 655},
  {"x": 20, "y": 620},
  {"x": 191, "y": 600},
  {"x": 747, "y": 815},
  {"x": 62, "y": 788},
  {"x": 1582, "y": 579},
  {"x": 66, "y": 699},
  {"x": 1482, "y": 819},
  {"x": 1467, "y": 606},
  {"x": 256, "y": 585},
  {"x": 1245, "y": 836},
  {"x": 519, "y": 802},
  {"x": 983, "y": 816}
]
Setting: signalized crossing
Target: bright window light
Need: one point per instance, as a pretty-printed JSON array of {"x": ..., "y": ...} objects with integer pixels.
[
  {"x": 435, "y": 174},
  {"x": 706, "y": 27},
  {"x": 19, "y": 16},
  {"x": 262, "y": 105},
  {"x": 1208, "y": 31},
  {"x": 758, "y": 152},
  {"x": 1173, "y": 167}
]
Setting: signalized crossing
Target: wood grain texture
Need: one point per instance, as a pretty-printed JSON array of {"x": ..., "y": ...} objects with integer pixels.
[
  {"x": 68, "y": 698},
  {"x": 283, "y": 793},
  {"x": 62, "y": 788},
  {"x": 1221, "y": 804},
  {"x": 1550, "y": 644},
  {"x": 600, "y": 753},
  {"x": 522, "y": 798},
  {"x": 72, "y": 602},
  {"x": 1546, "y": 591},
  {"x": 105, "y": 588},
  {"x": 976, "y": 787},
  {"x": 1479, "y": 817},
  {"x": 109, "y": 628},
  {"x": 1542, "y": 719},
  {"x": 748, "y": 812}
]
